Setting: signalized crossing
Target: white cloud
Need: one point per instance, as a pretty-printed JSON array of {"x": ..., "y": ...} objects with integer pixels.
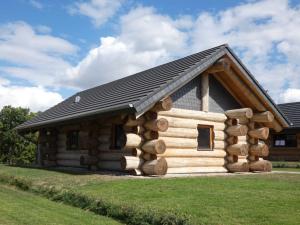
[
  {"x": 99, "y": 11},
  {"x": 146, "y": 39},
  {"x": 290, "y": 95},
  {"x": 265, "y": 34},
  {"x": 36, "y": 4},
  {"x": 37, "y": 58},
  {"x": 35, "y": 98}
]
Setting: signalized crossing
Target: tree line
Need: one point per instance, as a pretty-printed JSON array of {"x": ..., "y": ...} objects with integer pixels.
[{"x": 16, "y": 148}]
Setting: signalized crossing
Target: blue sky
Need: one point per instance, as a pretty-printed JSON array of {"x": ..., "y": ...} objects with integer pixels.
[{"x": 51, "y": 49}]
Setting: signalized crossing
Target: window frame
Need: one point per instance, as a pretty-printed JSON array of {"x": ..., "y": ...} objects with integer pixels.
[
  {"x": 113, "y": 142},
  {"x": 284, "y": 138},
  {"x": 68, "y": 144},
  {"x": 211, "y": 137}
]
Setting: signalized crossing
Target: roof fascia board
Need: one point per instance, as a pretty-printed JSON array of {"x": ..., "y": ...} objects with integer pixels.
[
  {"x": 255, "y": 83},
  {"x": 147, "y": 103}
]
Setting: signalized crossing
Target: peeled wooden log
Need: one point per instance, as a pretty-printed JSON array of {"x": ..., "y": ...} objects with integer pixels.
[
  {"x": 232, "y": 140},
  {"x": 197, "y": 115},
  {"x": 243, "y": 121},
  {"x": 150, "y": 135},
  {"x": 239, "y": 113},
  {"x": 242, "y": 138},
  {"x": 110, "y": 165},
  {"x": 71, "y": 163},
  {"x": 253, "y": 158},
  {"x": 140, "y": 130},
  {"x": 238, "y": 167},
  {"x": 132, "y": 141},
  {"x": 183, "y": 170},
  {"x": 252, "y": 141},
  {"x": 88, "y": 160},
  {"x": 155, "y": 167},
  {"x": 261, "y": 165},
  {"x": 50, "y": 156},
  {"x": 170, "y": 152},
  {"x": 172, "y": 142},
  {"x": 154, "y": 146},
  {"x": 220, "y": 135},
  {"x": 260, "y": 133},
  {"x": 131, "y": 121},
  {"x": 148, "y": 156},
  {"x": 136, "y": 152},
  {"x": 191, "y": 123},
  {"x": 113, "y": 155},
  {"x": 260, "y": 149},
  {"x": 264, "y": 117},
  {"x": 131, "y": 162},
  {"x": 231, "y": 122},
  {"x": 69, "y": 156},
  {"x": 220, "y": 145},
  {"x": 174, "y": 162},
  {"x": 104, "y": 147},
  {"x": 238, "y": 130},
  {"x": 93, "y": 152},
  {"x": 163, "y": 105},
  {"x": 135, "y": 172},
  {"x": 150, "y": 115},
  {"x": 103, "y": 138},
  {"x": 238, "y": 149},
  {"x": 49, "y": 163},
  {"x": 104, "y": 130},
  {"x": 179, "y": 133},
  {"x": 157, "y": 125},
  {"x": 232, "y": 158}
]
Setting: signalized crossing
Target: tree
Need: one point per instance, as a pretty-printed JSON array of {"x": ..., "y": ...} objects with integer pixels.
[{"x": 16, "y": 148}]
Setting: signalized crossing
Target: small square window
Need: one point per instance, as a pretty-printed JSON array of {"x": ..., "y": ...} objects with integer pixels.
[
  {"x": 73, "y": 140},
  {"x": 285, "y": 140},
  {"x": 118, "y": 137},
  {"x": 205, "y": 137}
]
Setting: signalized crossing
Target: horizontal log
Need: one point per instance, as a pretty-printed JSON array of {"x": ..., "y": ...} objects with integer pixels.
[
  {"x": 238, "y": 130},
  {"x": 232, "y": 140},
  {"x": 192, "y": 123},
  {"x": 260, "y": 133},
  {"x": 154, "y": 146},
  {"x": 174, "y": 162},
  {"x": 220, "y": 135},
  {"x": 172, "y": 142},
  {"x": 239, "y": 113},
  {"x": 88, "y": 160},
  {"x": 220, "y": 144},
  {"x": 253, "y": 158},
  {"x": 49, "y": 163},
  {"x": 69, "y": 156},
  {"x": 104, "y": 130},
  {"x": 189, "y": 170},
  {"x": 136, "y": 152},
  {"x": 192, "y": 114},
  {"x": 69, "y": 163},
  {"x": 131, "y": 121},
  {"x": 175, "y": 152},
  {"x": 163, "y": 105},
  {"x": 238, "y": 167},
  {"x": 135, "y": 172},
  {"x": 231, "y": 122},
  {"x": 148, "y": 156},
  {"x": 260, "y": 149},
  {"x": 131, "y": 162},
  {"x": 110, "y": 165},
  {"x": 179, "y": 133},
  {"x": 80, "y": 151},
  {"x": 264, "y": 117},
  {"x": 103, "y": 138},
  {"x": 261, "y": 165},
  {"x": 232, "y": 158},
  {"x": 150, "y": 135},
  {"x": 238, "y": 149},
  {"x": 155, "y": 167},
  {"x": 104, "y": 147},
  {"x": 132, "y": 141},
  {"x": 157, "y": 125},
  {"x": 113, "y": 155}
]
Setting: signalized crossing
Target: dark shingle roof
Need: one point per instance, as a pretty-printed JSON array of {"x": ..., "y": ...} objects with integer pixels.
[
  {"x": 135, "y": 92},
  {"x": 292, "y": 112}
]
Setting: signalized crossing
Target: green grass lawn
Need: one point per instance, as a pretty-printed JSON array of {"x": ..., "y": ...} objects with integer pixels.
[
  {"x": 241, "y": 199},
  {"x": 287, "y": 169},
  {"x": 22, "y": 208}
]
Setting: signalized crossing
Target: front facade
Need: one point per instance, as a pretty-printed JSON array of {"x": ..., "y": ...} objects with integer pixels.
[
  {"x": 201, "y": 113},
  {"x": 285, "y": 146}
]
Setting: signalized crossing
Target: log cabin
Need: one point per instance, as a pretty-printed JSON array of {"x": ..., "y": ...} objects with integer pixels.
[
  {"x": 285, "y": 145},
  {"x": 204, "y": 113}
]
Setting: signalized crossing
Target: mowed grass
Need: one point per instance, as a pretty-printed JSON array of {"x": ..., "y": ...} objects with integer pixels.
[
  {"x": 241, "y": 199},
  {"x": 23, "y": 208}
]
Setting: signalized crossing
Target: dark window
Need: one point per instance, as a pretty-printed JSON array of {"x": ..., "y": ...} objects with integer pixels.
[
  {"x": 73, "y": 140},
  {"x": 205, "y": 137},
  {"x": 118, "y": 137},
  {"x": 285, "y": 140}
]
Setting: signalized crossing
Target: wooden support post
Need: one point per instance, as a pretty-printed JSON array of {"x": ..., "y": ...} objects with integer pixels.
[{"x": 205, "y": 92}]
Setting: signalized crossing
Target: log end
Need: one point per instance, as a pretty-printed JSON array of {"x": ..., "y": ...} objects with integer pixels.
[
  {"x": 160, "y": 146},
  {"x": 162, "y": 124}
]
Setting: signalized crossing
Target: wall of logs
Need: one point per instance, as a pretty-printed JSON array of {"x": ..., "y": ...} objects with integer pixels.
[{"x": 164, "y": 140}]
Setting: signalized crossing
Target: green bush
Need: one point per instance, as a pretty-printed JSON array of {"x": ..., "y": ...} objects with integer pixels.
[{"x": 128, "y": 214}]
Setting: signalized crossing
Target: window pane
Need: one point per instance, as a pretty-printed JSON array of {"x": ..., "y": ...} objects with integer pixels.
[
  {"x": 73, "y": 140},
  {"x": 204, "y": 138},
  {"x": 285, "y": 140}
]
